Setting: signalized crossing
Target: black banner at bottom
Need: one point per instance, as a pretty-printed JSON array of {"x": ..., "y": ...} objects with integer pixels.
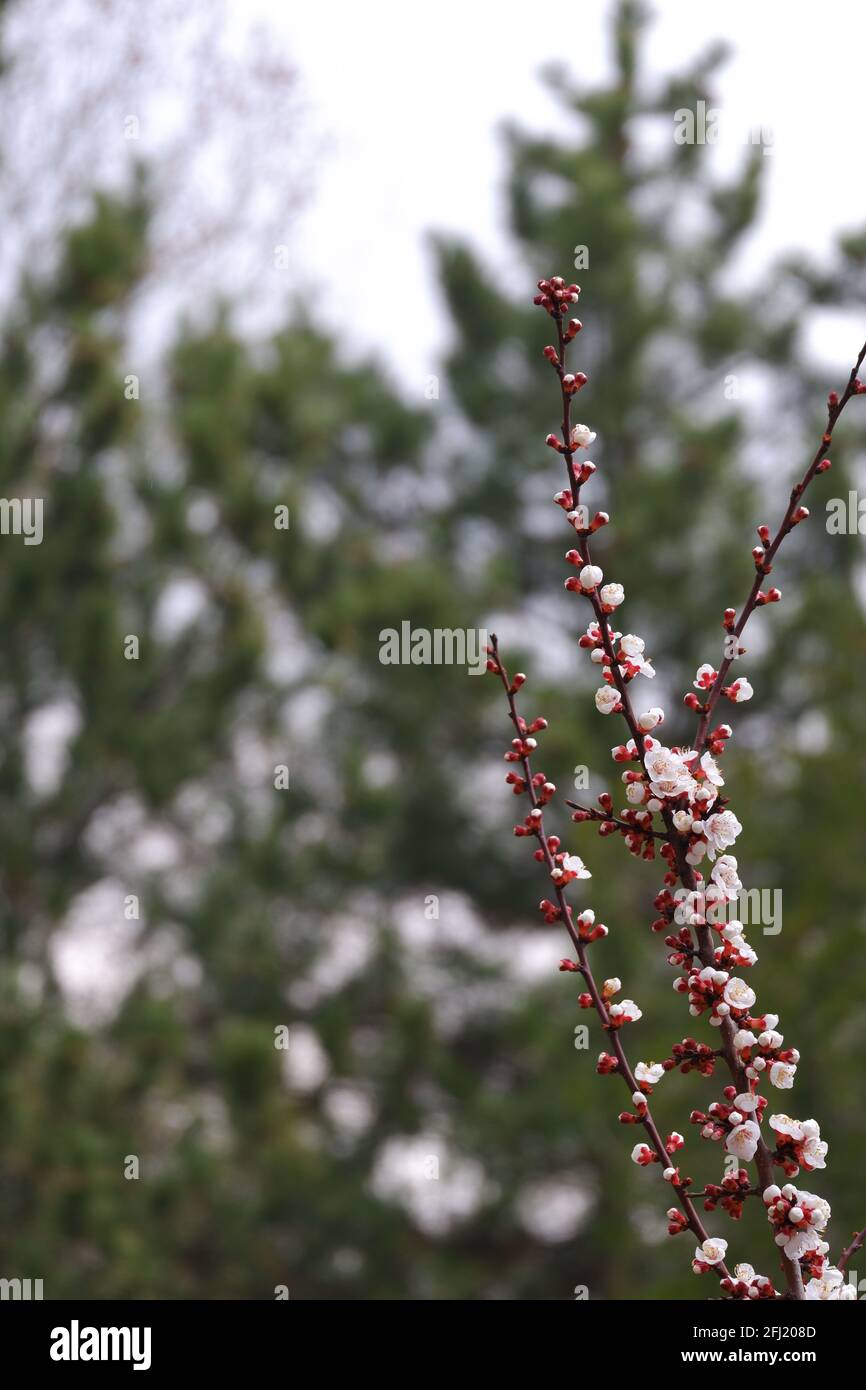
[{"x": 159, "y": 1338}]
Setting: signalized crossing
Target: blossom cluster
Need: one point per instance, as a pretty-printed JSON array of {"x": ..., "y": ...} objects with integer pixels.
[
  {"x": 798, "y": 1219},
  {"x": 736, "y": 1120},
  {"x": 798, "y": 1144},
  {"x": 747, "y": 1284}
]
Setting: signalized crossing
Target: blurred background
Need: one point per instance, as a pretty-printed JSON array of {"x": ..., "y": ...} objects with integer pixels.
[{"x": 276, "y": 1006}]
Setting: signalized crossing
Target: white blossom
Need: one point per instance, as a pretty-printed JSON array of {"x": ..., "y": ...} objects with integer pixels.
[
  {"x": 819, "y": 1210},
  {"x": 606, "y": 699},
  {"x": 801, "y": 1243},
  {"x": 667, "y": 772},
  {"x": 738, "y": 994},
  {"x": 721, "y": 830},
  {"x": 612, "y": 595},
  {"x": 742, "y": 1141},
  {"x": 813, "y": 1154},
  {"x": 582, "y": 436},
  {"x": 703, "y": 676},
  {"x": 644, "y": 667},
  {"x": 725, "y": 874},
  {"x": 573, "y": 864},
  {"x": 782, "y": 1075},
  {"x": 711, "y": 771},
  {"x": 650, "y": 1073},
  {"x": 627, "y": 1011},
  {"x": 784, "y": 1124},
  {"x": 650, "y": 719},
  {"x": 712, "y": 1251}
]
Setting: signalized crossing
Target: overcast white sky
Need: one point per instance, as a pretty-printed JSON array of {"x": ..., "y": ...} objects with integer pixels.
[{"x": 411, "y": 96}]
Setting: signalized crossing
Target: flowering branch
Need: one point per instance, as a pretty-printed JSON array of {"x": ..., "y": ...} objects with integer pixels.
[
  {"x": 764, "y": 554},
  {"x": 683, "y": 787},
  {"x": 562, "y": 869},
  {"x": 629, "y": 827}
]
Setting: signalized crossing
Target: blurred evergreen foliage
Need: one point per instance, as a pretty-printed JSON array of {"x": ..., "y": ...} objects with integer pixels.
[{"x": 309, "y": 907}]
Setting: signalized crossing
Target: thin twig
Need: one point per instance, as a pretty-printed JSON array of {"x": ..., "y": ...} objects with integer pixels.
[
  {"x": 835, "y": 406},
  {"x": 850, "y": 1250},
  {"x": 620, "y": 824}
]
